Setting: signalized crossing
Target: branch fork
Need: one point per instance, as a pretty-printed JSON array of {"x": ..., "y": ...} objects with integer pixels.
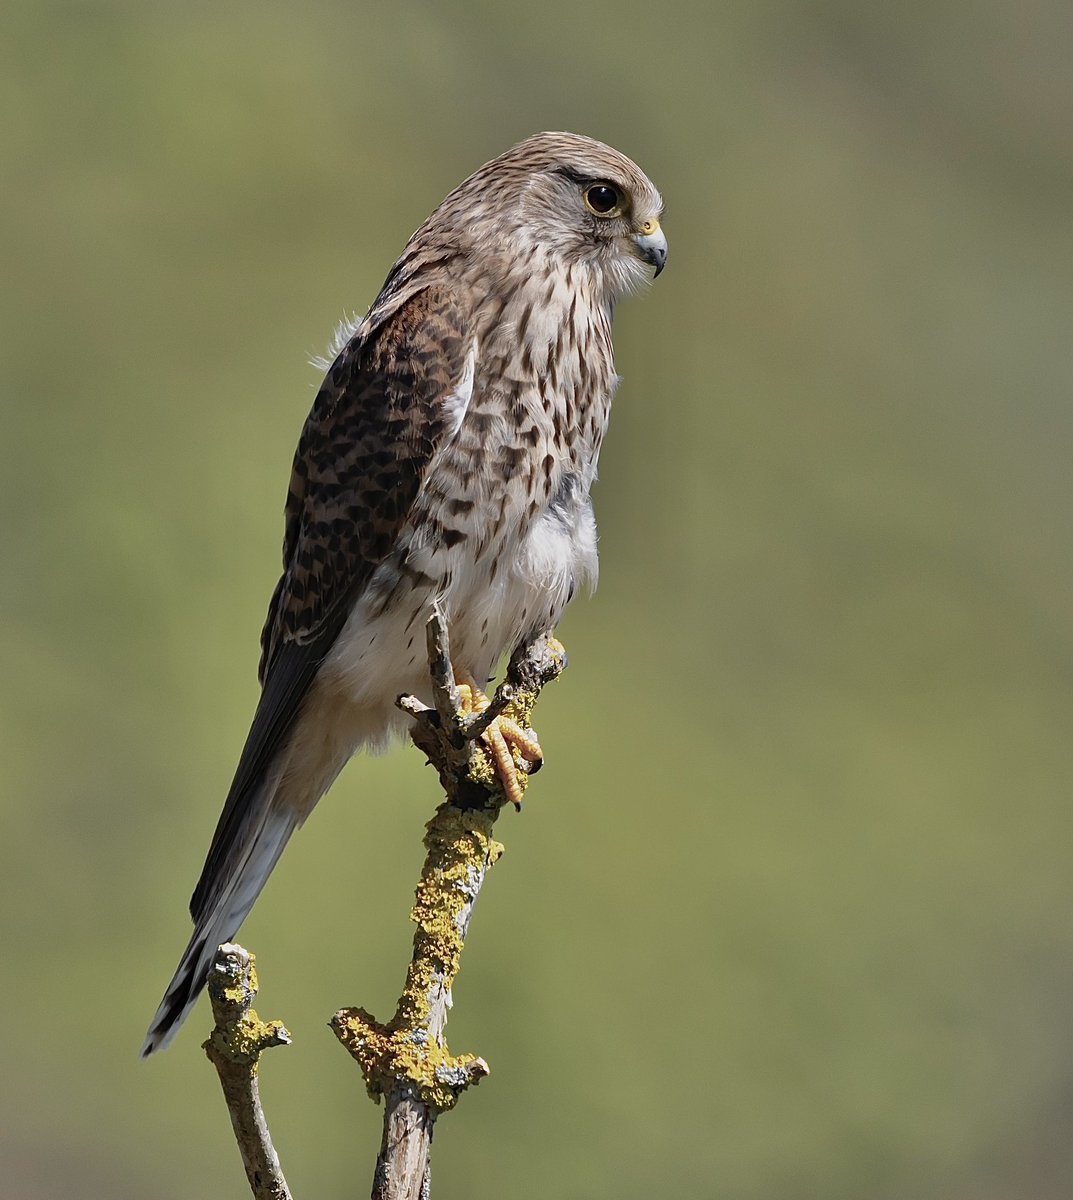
[
  {"x": 406, "y": 1061},
  {"x": 409, "y": 1055}
]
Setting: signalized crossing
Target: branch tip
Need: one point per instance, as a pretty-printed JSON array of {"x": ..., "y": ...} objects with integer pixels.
[{"x": 234, "y": 1048}]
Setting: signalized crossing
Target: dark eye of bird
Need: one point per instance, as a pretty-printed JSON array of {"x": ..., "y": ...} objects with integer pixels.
[{"x": 601, "y": 198}]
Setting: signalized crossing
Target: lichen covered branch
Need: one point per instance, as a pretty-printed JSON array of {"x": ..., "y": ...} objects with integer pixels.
[
  {"x": 407, "y": 1060},
  {"x": 234, "y": 1048}
]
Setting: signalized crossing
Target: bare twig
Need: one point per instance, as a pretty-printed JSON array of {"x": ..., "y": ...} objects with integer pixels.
[
  {"x": 234, "y": 1047},
  {"x": 444, "y": 689},
  {"x": 407, "y": 1061}
]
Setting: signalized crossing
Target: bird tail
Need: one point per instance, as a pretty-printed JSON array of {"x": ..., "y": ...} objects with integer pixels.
[{"x": 227, "y": 894}]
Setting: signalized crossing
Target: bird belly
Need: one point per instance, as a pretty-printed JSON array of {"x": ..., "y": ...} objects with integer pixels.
[
  {"x": 510, "y": 590},
  {"x": 555, "y": 559}
]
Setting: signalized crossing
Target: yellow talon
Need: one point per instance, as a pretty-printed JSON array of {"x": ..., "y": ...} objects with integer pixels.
[{"x": 501, "y": 740}]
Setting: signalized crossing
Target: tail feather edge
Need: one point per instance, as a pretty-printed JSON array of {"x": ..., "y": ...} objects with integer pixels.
[{"x": 240, "y": 880}]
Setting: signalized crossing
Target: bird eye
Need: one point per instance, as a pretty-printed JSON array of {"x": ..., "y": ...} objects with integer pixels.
[{"x": 601, "y": 198}]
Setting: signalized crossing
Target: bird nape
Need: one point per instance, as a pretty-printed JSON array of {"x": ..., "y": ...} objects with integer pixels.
[{"x": 447, "y": 461}]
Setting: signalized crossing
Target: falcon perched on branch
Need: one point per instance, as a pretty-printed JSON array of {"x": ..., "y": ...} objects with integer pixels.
[{"x": 447, "y": 461}]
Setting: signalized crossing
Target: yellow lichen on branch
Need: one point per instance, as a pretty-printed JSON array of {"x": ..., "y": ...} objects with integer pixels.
[
  {"x": 239, "y": 1036},
  {"x": 483, "y": 753},
  {"x": 237, "y": 1041},
  {"x": 460, "y": 851},
  {"x": 407, "y": 1060},
  {"x": 411, "y": 1047},
  {"x": 387, "y": 1056}
]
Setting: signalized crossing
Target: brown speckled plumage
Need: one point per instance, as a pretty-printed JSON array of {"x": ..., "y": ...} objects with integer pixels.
[{"x": 447, "y": 459}]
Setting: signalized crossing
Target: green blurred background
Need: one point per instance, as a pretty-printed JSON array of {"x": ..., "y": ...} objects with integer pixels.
[{"x": 787, "y": 915}]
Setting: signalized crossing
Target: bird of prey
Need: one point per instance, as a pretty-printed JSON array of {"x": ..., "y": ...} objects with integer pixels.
[{"x": 447, "y": 461}]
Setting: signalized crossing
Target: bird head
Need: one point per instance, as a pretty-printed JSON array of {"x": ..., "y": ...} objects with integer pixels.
[{"x": 567, "y": 197}]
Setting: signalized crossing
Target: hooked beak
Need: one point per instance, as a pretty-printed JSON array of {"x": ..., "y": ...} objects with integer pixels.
[{"x": 651, "y": 245}]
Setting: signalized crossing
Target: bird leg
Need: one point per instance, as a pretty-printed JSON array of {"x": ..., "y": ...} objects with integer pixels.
[{"x": 514, "y": 752}]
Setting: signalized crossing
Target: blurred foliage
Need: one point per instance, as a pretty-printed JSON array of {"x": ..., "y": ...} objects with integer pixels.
[{"x": 787, "y": 913}]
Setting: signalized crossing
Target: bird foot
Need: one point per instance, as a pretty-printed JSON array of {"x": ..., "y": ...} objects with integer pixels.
[
  {"x": 483, "y": 749},
  {"x": 513, "y": 752}
]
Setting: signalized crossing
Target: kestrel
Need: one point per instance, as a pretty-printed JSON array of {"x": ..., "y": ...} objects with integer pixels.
[{"x": 447, "y": 461}]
